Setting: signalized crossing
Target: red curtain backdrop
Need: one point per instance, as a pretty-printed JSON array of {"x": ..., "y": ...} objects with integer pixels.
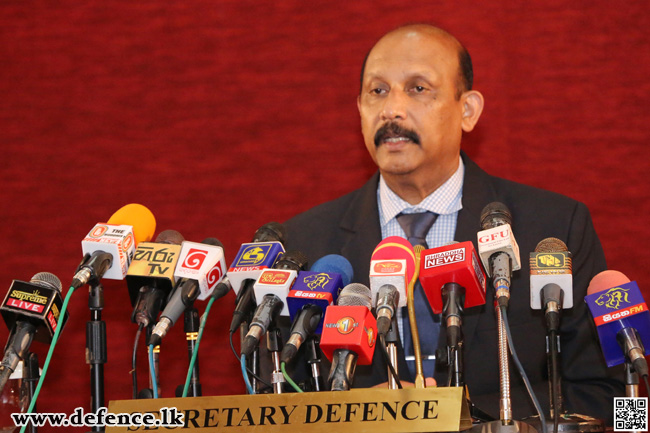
[{"x": 223, "y": 115}]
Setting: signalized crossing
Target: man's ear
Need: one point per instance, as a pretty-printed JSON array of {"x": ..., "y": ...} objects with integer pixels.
[{"x": 472, "y": 108}]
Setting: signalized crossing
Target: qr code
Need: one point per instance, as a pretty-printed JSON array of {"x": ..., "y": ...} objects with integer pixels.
[{"x": 630, "y": 413}]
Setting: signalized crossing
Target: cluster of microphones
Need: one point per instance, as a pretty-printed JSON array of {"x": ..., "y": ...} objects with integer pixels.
[{"x": 330, "y": 314}]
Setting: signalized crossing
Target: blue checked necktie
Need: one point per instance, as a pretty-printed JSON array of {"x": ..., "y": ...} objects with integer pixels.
[{"x": 416, "y": 226}]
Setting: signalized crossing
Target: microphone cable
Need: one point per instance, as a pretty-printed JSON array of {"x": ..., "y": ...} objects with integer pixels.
[
  {"x": 134, "y": 359},
  {"x": 520, "y": 368},
  {"x": 259, "y": 379},
  {"x": 195, "y": 353},
  {"x": 152, "y": 370},
  {"x": 286, "y": 376},
  {"x": 247, "y": 381},
  {"x": 46, "y": 364}
]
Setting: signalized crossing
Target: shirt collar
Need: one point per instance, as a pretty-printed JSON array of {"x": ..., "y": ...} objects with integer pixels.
[{"x": 447, "y": 199}]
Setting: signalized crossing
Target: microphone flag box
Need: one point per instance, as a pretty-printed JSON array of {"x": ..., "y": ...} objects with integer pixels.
[
  {"x": 251, "y": 260},
  {"x": 153, "y": 265},
  {"x": 39, "y": 305},
  {"x": 314, "y": 288},
  {"x": 617, "y": 308},
  {"x": 455, "y": 263},
  {"x": 547, "y": 268},
  {"x": 388, "y": 271},
  {"x": 276, "y": 282},
  {"x": 201, "y": 262},
  {"x": 498, "y": 239},
  {"x": 349, "y": 327},
  {"x": 117, "y": 240}
]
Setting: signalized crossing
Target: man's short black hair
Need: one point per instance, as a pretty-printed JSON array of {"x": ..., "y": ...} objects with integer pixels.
[{"x": 465, "y": 69}]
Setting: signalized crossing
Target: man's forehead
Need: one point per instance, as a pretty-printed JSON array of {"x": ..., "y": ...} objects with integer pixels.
[{"x": 413, "y": 52}]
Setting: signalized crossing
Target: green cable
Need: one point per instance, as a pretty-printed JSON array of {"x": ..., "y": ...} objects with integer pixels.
[
  {"x": 55, "y": 338},
  {"x": 195, "y": 353},
  {"x": 286, "y": 376}
]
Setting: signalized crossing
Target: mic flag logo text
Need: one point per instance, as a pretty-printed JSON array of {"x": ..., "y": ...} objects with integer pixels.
[
  {"x": 317, "y": 281},
  {"x": 252, "y": 256},
  {"x": 346, "y": 325},
  {"x": 194, "y": 258},
  {"x": 387, "y": 267},
  {"x": 613, "y": 298}
]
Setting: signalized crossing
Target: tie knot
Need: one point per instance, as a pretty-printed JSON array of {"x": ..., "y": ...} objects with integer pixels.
[{"x": 416, "y": 226}]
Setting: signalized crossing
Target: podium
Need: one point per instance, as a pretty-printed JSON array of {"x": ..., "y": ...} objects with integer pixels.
[{"x": 360, "y": 410}]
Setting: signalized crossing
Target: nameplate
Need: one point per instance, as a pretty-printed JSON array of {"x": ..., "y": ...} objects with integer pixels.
[{"x": 361, "y": 410}]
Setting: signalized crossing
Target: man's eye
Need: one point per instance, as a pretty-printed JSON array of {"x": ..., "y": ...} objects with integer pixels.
[
  {"x": 377, "y": 91},
  {"x": 419, "y": 89}
]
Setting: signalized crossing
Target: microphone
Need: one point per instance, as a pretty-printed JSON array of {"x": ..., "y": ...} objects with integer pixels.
[
  {"x": 150, "y": 278},
  {"x": 392, "y": 266},
  {"x": 622, "y": 319},
  {"x": 200, "y": 268},
  {"x": 349, "y": 335},
  {"x": 30, "y": 311},
  {"x": 456, "y": 263},
  {"x": 311, "y": 294},
  {"x": 272, "y": 288},
  {"x": 108, "y": 248},
  {"x": 498, "y": 249},
  {"x": 453, "y": 279},
  {"x": 551, "y": 280},
  {"x": 251, "y": 260}
]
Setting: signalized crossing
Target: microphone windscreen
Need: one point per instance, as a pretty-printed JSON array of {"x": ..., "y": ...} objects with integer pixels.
[
  {"x": 212, "y": 241},
  {"x": 606, "y": 280},
  {"x": 170, "y": 237},
  {"x": 138, "y": 217},
  {"x": 396, "y": 248},
  {"x": 337, "y": 264},
  {"x": 495, "y": 214},
  {"x": 46, "y": 279}
]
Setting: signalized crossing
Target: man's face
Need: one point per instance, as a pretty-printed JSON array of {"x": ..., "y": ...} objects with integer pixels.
[{"x": 411, "y": 119}]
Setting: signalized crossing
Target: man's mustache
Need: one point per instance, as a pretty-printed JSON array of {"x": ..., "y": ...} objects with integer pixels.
[{"x": 394, "y": 129}]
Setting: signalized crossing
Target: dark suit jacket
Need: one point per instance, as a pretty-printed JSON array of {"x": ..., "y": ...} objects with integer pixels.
[{"x": 350, "y": 226}]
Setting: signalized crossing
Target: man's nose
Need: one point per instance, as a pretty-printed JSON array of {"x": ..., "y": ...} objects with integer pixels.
[{"x": 395, "y": 105}]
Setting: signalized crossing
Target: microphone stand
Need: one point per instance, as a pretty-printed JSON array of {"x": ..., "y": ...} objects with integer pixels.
[
  {"x": 453, "y": 300},
  {"x": 631, "y": 380},
  {"x": 502, "y": 269},
  {"x": 191, "y": 325},
  {"x": 552, "y": 296},
  {"x": 274, "y": 345},
  {"x": 31, "y": 375},
  {"x": 313, "y": 359},
  {"x": 392, "y": 337},
  {"x": 96, "y": 348}
]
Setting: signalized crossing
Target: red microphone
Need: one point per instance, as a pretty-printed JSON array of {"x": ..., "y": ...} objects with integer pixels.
[
  {"x": 349, "y": 335},
  {"x": 391, "y": 269},
  {"x": 453, "y": 279},
  {"x": 454, "y": 263}
]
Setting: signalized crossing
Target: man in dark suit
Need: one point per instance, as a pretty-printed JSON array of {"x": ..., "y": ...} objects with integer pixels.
[{"x": 416, "y": 101}]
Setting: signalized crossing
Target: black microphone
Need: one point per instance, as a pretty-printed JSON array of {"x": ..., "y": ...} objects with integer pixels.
[
  {"x": 188, "y": 289},
  {"x": 149, "y": 287},
  {"x": 27, "y": 309},
  {"x": 241, "y": 277},
  {"x": 303, "y": 327},
  {"x": 498, "y": 249},
  {"x": 274, "y": 285}
]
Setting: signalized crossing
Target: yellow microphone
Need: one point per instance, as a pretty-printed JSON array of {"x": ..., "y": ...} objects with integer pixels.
[{"x": 137, "y": 216}]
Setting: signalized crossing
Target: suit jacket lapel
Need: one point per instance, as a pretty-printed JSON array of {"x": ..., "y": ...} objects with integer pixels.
[{"x": 361, "y": 229}]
